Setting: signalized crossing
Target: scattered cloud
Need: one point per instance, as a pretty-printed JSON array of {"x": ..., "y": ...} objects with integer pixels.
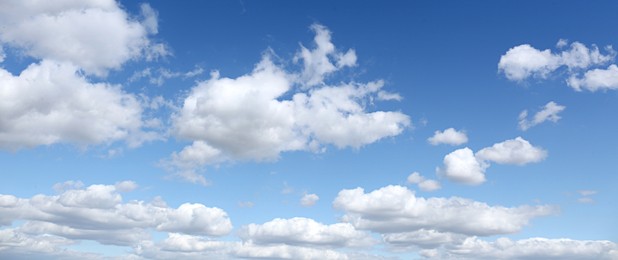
[
  {"x": 423, "y": 184},
  {"x": 464, "y": 166},
  {"x": 324, "y": 59},
  {"x": 548, "y": 113},
  {"x": 309, "y": 200},
  {"x": 395, "y": 209},
  {"x": 524, "y": 61},
  {"x": 534, "y": 248},
  {"x": 596, "y": 79},
  {"x": 449, "y": 136},
  {"x": 247, "y": 118},
  {"x": 514, "y": 151},
  {"x": 446, "y": 228},
  {"x": 97, "y": 213},
  {"x": 45, "y": 31},
  {"x": 305, "y": 232}
]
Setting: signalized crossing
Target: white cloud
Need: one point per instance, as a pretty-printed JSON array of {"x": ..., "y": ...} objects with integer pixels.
[
  {"x": 286, "y": 252},
  {"x": 596, "y": 79},
  {"x": 309, "y": 200},
  {"x": 423, "y": 238},
  {"x": 395, "y": 209},
  {"x": 51, "y": 103},
  {"x": 97, "y": 213},
  {"x": 101, "y": 35},
  {"x": 197, "y": 219},
  {"x": 423, "y": 184},
  {"x": 317, "y": 62},
  {"x": 249, "y": 118},
  {"x": 305, "y": 232},
  {"x": 448, "y": 136},
  {"x": 549, "y": 113},
  {"x": 15, "y": 244},
  {"x": 514, "y": 151},
  {"x": 524, "y": 61},
  {"x": 462, "y": 166},
  {"x": 534, "y": 248}
]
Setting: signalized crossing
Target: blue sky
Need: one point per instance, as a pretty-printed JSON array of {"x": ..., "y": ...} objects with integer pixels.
[{"x": 308, "y": 130}]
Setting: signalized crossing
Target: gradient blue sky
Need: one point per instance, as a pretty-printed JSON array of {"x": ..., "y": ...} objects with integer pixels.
[{"x": 95, "y": 116}]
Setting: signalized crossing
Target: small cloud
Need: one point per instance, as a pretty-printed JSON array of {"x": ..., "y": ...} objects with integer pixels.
[
  {"x": 449, "y": 136},
  {"x": 309, "y": 200},
  {"x": 548, "y": 113},
  {"x": 423, "y": 184}
]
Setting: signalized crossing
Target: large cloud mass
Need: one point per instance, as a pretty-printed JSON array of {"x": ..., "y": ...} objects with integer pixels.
[
  {"x": 259, "y": 115},
  {"x": 394, "y": 209},
  {"x": 93, "y": 35}
]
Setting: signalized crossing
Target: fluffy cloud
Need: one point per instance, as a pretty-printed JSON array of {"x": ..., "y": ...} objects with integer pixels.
[
  {"x": 101, "y": 35},
  {"x": 596, "y": 79},
  {"x": 524, "y": 61},
  {"x": 324, "y": 59},
  {"x": 534, "y": 248},
  {"x": 549, "y": 113},
  {"x": 449, "y": 136},
  {"x": 514, "y": 151},
  {"x": 98, "y": 213},
  {"x": 423, "y": 184},
  {"x": 462, "y": 166},
  {"x": 250, "y": 118},
  {"x": 51, "y": 103},
  {"x": 305, "y": 232},
  {"x": 309, "y": 200},
  {"x": 395, "y": 209}
]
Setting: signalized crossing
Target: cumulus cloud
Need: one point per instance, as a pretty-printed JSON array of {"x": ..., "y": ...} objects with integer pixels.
[
  {"x": 465, "y": 166},
  {"x": 534, "y": 248},
  {"x": 448, "y": 136},
  {"x": 101, "y": 34},
  {"x": 51, "y": 103},
  {"x": 423, "y": 184},
  {"x": 549, "y": 113},
  {"x": 395, "y": 209},
  {"x": 462, "y": 166},
  {"x": 309, "y": 200},
  {"x": 98, "y": 213},
  {"x": 524, "y": 61},
  {"x": 251, "y": 117},
  {"x": 596, "y": 79},
  {"x": 305, "y": 232},
  {"x": 514, "y": 151}
]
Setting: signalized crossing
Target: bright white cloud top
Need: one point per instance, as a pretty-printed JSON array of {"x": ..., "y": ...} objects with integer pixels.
[
  {"x": 247, "y": 130},
  {"x": 448, "y": 136}
]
